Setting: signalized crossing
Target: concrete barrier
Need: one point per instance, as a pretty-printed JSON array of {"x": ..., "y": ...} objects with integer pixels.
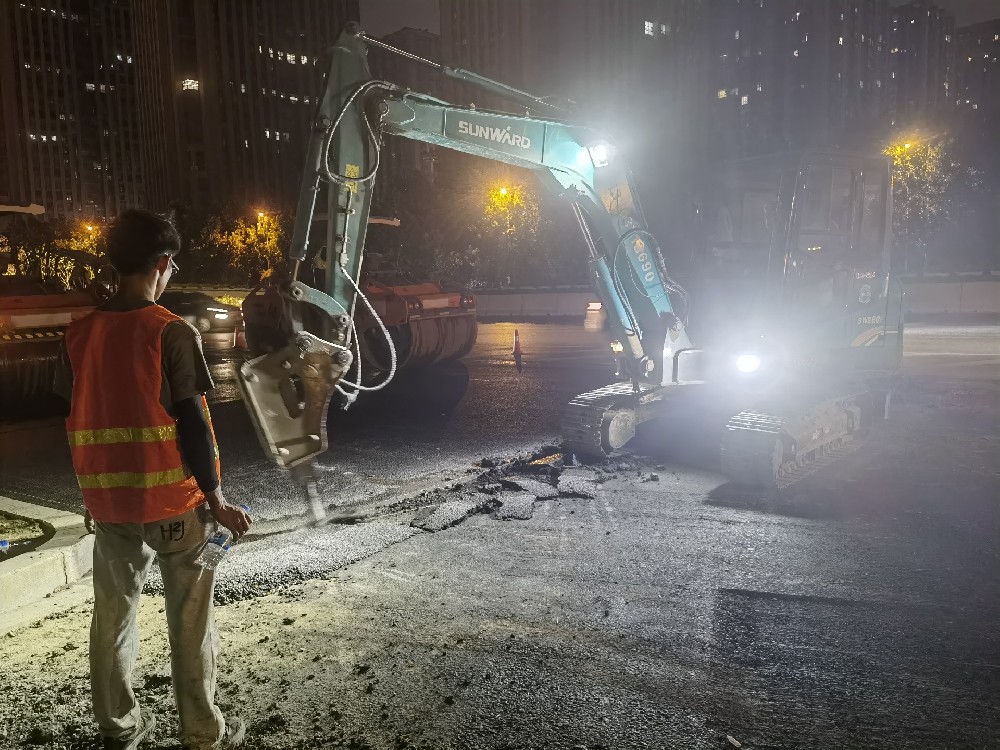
[
  {"x": 980, "y": 297},
  {"x": 945, "y": 294}
]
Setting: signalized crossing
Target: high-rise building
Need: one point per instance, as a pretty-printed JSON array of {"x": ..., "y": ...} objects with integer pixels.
[
  {"x": 68, "y": 132},
  {"x": 977, "y": 79},
  {"x": 922, "y": 64},
  {"x": 798, "y": 73},
  {"x": 635, "y": 69},
  {"x": 228, "y": 89}
]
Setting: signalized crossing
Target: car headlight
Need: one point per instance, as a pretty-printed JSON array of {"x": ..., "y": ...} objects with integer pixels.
[{"x": 748, "y": 363}]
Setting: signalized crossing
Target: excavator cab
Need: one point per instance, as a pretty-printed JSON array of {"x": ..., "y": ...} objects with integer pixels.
[
  {"x": 797, "y": 251},
  {"x": 794, "y": 281}
]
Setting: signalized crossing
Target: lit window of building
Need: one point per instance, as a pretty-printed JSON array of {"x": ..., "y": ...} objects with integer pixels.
[
  {"x": 303, "y": 59},
  {"x": 760, "y": 87},
  {"x": 737, "y": 34},
  {"x": 840, "y": 41},
  {"x": 243, "y": 88},
  {"x": 722, "y": 93},
  {"x": 648, "y": 28},
  {"x": 795, "y": 53},
  {"x": 188, "y": 84},
  {"x": 664, "y": 28},
  {"x": 744, "y": 100}
]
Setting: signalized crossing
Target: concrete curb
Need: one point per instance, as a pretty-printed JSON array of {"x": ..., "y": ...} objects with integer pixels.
[{"x": 64, "y": 559}]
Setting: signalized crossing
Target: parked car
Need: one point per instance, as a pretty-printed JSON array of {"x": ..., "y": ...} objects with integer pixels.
[{"x": 202, "y": 311}]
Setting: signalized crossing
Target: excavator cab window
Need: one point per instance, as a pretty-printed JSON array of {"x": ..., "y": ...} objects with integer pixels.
[
  {"x": 822, "y": 251},
  {"x": 741, "y": 225},
  {"x": 873, "y": 223}
]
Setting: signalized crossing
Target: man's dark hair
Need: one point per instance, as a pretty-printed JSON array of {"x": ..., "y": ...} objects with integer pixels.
[{"x": 137, "y": 239}]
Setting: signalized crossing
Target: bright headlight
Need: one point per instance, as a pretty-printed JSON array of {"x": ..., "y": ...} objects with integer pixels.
[
  {"x": 748, "y": 363},
  {"x": 600, "y": 153}
]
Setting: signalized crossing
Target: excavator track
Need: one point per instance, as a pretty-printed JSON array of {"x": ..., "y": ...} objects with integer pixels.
[
  {"x": 598, "y": 422},
  {"x": 771, "y": 450}
]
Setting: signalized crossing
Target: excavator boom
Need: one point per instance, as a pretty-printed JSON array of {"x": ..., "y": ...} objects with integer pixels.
[{"x": 355, "y": 112}]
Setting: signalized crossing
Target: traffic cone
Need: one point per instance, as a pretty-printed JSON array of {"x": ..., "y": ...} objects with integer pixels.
[{"x": 516, "y": 351}]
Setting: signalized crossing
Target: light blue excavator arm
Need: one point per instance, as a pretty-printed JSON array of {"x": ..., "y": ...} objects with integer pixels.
[{"x": 573, "y": 162}]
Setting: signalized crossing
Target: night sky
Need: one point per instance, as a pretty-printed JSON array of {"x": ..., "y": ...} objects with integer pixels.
[{"x": 380, "y": 17}]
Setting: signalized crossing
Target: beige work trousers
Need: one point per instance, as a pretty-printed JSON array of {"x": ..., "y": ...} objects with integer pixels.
[{"x": 123, "y": 553}]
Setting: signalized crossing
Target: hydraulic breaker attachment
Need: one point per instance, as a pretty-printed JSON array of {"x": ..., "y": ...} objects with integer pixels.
[{"x": 289, "y": 392}]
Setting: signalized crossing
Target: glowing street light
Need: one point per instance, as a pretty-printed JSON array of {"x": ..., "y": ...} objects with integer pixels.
[{"x": 503, "y": 191}]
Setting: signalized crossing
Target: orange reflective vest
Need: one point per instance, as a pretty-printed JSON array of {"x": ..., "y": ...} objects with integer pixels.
[{"x": 123, "y": 441}]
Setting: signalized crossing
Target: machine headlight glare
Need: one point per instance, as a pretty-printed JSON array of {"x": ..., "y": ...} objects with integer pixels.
[
  {"x": 600, "y": 153},
  {"x": 748, "y": 363}
]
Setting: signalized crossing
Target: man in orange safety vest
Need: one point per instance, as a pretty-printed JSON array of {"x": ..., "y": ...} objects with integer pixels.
[{"x": 146, "y": 459}]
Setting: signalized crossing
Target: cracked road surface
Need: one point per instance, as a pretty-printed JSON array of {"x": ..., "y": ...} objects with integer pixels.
[{"x": 640, "y": 605}]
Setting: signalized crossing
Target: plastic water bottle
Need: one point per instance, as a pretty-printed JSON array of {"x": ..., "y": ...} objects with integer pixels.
[
  {"x": 217, "y": 546},
  {"x": 4, "y": 546}
]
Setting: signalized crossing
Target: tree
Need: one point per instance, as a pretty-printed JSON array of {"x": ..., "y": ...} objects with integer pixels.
[
  {"x": 931, "y": 193},
  {"x": 50, "y": 251},
  {"x": 230, "y": 248}
]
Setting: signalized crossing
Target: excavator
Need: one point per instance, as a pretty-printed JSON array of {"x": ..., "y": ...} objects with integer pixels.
[{"x": 793, "y": 305}]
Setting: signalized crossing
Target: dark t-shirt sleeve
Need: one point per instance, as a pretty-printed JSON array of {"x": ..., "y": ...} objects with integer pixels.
[{"x": 185, "y": 371}]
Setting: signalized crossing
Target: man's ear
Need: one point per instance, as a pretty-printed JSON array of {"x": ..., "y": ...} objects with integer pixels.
[{"x": 162, "y": 263}]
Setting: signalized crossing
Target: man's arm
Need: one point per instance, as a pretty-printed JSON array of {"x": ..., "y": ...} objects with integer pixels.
[{"x": 188, "y": 378}]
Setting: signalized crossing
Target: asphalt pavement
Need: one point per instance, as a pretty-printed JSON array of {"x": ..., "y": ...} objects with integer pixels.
[{"x": 475, "y": 602}]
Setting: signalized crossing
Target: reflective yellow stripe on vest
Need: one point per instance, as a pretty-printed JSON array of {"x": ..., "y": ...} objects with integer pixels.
[
  {"x": 110, "y": 435},
  {"x": 132, "y": 479}
]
